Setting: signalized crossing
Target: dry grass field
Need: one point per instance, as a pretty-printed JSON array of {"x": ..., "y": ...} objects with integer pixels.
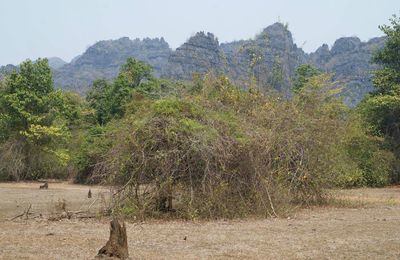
[{"x": 365, "y": 225}]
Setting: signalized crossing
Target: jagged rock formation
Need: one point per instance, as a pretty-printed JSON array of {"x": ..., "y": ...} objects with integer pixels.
[
  {"x": 198, "y": 55},
  {"x": 103, "y": 59},
  {"x": 349, "y": 62},
  {"x": 270, "y": 58}
]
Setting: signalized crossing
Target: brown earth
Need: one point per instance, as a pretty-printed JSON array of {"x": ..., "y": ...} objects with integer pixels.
[{"x": 364, "y": 226}]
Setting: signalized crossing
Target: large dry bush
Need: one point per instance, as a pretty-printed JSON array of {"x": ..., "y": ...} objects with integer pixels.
[{"x": 223, "y": 152}]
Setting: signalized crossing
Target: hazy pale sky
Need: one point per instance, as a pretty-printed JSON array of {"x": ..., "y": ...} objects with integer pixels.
[{"x": 65, "y": 28}]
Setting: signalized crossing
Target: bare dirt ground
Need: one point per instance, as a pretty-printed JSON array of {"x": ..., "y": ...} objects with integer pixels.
[{"x": 367, "y": 226}]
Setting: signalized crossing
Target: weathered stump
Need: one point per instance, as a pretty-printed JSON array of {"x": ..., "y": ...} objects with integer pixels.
[
  {"x": 117, "y": 244},
  {"x": 45, "y": 186}
]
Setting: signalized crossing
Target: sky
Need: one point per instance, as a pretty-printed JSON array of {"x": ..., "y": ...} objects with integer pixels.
[{"x": 66, "y": 28}]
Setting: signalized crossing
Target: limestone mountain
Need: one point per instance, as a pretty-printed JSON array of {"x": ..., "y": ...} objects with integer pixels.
[
  {"x": 199, "y": 54},
  {"x": 349, "y": 62},
  {"x": 271, "y": 58},
  {"x": 103, "y": 59}
]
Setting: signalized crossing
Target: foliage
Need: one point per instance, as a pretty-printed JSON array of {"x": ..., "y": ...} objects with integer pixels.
[
  {"x": 201, "y": 149},
  {"x": 303, "y": 73},
  {"x": 219, "y": 151},
  {"x": 89, "y": 150},
  {"x": 381, "y": 110},
  {"x": 370, "y": 164},
  {"x": 386, "y": 100},
  {"x": 109, "y": 99},
  {"x": 33, "y": 124}
]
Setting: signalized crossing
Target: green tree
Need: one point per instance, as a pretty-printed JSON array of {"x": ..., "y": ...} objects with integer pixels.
[
  {"x": 98, "y": 99},
  {"x": 31, "y": 120},
  {"x": 303, "y": 74},
  {"x": 383, "y": 106},
  {"x": 109, "y": 99},
  {"x": 133, "y": 72},
  {"x": 381, "y": 109}
]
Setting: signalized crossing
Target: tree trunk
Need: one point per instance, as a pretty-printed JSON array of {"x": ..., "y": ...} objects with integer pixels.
[{"x": 117, "y": 245}]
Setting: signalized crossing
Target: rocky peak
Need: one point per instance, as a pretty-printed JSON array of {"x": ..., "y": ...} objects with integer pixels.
[
  {"x": 202, "y": 39},
  {"x": 276, "y": 30},
  {"x": 271, "y": 57},
  {"x": 276, "y": 35},
  {"x": 199, "y": 54},
  {"x": 323, "y": 50},
  {"x": 104, "y": 58},
  {"x": 349, "y": 61},
  {"x": 321, "y": 56},
  {"x": 116, "y": 51},
  {"x": 346, "y": 45},
  {"x": 375, "y": 43}
]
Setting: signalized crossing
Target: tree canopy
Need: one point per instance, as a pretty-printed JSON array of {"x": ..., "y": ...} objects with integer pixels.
[
  {"x": 32, "y": 119},
  {"x": 383, "y": 106},
  {"x": 108, "y": 99}
]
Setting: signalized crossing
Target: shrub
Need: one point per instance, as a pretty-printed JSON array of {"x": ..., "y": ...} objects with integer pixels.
[{"x": 223, "y": 152}]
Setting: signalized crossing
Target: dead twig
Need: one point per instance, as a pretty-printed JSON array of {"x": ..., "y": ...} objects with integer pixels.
[{"x": 25, "y": 213}]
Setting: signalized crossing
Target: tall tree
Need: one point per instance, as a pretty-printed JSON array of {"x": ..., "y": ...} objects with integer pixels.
[
  {"x": 109, "y": 99},
  {"x": 382, "y": 108},
  {"x": 31, "y": 117}
]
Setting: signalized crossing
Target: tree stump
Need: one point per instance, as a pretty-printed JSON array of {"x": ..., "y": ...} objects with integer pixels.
[
  {"x": 45, "y": 186},
  {"x": 117, "y": 244}
]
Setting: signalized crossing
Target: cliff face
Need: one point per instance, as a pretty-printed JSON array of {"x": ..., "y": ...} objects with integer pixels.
[
  {"x": 349, "y": 62},
  {"x": 270, "y": 58},
  {"x": 199, "y": 54},
  {"x": 103, "y": 59}
]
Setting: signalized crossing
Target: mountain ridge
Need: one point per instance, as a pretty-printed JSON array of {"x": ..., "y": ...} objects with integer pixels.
[{"x": 271, "y": 57}]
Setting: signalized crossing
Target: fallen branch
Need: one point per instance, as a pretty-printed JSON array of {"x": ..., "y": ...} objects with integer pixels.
[
  {"x": 71, "y": 214},
  {"x": 25, "y": 213}
]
